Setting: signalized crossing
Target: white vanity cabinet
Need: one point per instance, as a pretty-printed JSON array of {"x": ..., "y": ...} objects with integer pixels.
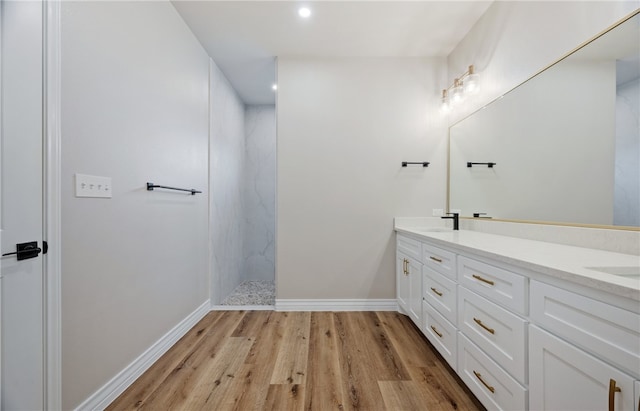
[
  {"x": 492, "y": 342},
  {"x": 608, "y": 332},
  {"x": 565, "y": 378},
  {"x": 441, "y": 293},
  {"x": 499, "y": 333},
  {"x": 518, "y": 336},
  {"x": 439, "y": 306},
  {"x": 584, "y": 354},
  {"x": 440, "y": 260},
  {"x": 409, "y": 278},
  {"x": 441, "y": 333},
  {"x": 496, "y": 284}
]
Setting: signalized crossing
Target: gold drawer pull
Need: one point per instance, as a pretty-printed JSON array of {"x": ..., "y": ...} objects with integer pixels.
[
  {"x": 612, "y": 394},
  {"x": 484, "y": 280},
  {"x": 436, "y": 331},
  {"x": 435, "y": 259},
  {"x": 478, "y": 376},
  {"x": 491, "y": 330},
  {"x": 436, "y": 291},
  {"x": 404, "y": 266}
]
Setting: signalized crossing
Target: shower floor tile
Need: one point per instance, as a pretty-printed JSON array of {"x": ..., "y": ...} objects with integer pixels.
[{"x": 252, "y": 293}]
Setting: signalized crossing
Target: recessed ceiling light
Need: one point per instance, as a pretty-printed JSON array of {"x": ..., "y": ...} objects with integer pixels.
[
  {"x": 274, "y": 87},
  {"x": 304, "y": 12}
]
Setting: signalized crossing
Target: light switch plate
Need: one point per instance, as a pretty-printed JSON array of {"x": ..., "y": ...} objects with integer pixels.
[{"x": 93, "y": 186}]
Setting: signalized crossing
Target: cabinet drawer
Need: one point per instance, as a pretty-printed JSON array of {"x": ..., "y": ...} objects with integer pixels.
[
  {"x": 498, "y": 332},
  {"x": 442, "y": 261},
  {"x": 495, "y": 389},
  {"x": 441, "y": 293},
  {"x": 441, "y": 333},
  {"x": 498, "y": 285},
  {"x": 412, "y": 248},
  {"x": 607, "y": 332},
  {"x": 563, "y": 377}
]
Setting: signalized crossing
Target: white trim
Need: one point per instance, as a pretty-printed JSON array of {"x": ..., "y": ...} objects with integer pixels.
[
  {"x": 104, "y": 396},
  {"x": 337, "y": 305},
  {"x": 52, "y": 206}
]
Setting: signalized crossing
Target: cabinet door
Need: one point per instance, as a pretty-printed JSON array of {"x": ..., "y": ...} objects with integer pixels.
[
  {"x": 609, "y": 332},
  {"x": 563, "y": 377},
  {"x": 637, "y": 395},
  {"x": 402, "y": 282},
  {"x": 415, "y": 291}
]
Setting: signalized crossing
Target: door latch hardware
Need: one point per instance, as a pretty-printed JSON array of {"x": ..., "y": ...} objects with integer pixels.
[{"x": 26, "y": 250}]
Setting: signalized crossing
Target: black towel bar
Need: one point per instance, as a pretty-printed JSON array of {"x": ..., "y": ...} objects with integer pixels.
[
  {"x": 151, "y": 186},
  {"x": 490, "y": 165},
  {"x": 422, "y": 163}
]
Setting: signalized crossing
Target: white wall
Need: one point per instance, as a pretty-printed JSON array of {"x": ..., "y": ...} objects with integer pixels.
[
  {"x": 227, "y": 170},
  {"x": 344, "y": 127},
  {"x": 135, "y": 87},
  {"x": 626, "y": 209},
  {"x": 260, "y": 193},
  {"x": 515, "y": 39}
]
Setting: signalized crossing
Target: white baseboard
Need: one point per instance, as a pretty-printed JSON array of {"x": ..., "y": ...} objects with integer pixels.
[
  {"x": 242, "y": 307},
  {"x": 337, "y": 305},
  {"x": 118, "y": 384}
]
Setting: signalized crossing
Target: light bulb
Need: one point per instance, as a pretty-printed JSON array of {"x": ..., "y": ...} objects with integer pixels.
[
  {"x": 457, "y": 94},
  {"x": 471, "y": 85},
  {"x": 445, "y": 106},
  {"x": 304, "y": 12},
  {"x": 274, "y": 87}
]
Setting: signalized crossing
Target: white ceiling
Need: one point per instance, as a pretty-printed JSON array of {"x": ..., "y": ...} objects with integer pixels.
[{"x": 244, "y": 37}]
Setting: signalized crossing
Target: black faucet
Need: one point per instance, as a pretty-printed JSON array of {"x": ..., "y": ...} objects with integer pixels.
[{"x": 456, "y": 220}]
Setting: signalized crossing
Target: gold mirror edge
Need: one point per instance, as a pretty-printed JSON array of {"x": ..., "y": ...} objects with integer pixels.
[{"x": 557, "y": 223}]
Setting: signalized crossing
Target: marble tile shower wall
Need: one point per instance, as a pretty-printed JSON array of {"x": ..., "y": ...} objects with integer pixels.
[
  {"x": 226, "y": 185},
  {"x": 260, "y": 193},
  {"x": 626, "y": 209}
]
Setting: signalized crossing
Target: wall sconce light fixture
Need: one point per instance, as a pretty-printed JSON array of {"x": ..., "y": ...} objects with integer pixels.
[{"x": 464, "y": 85}]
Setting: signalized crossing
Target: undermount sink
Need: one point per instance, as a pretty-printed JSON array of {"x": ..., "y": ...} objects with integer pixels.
[{"x": 629, "y": 271}]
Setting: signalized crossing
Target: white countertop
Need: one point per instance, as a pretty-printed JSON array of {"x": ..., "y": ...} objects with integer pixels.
[{"x": 561, "y": 261}]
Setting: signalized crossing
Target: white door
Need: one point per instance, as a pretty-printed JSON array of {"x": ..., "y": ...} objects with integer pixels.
[{"x": 21, "y": 199}]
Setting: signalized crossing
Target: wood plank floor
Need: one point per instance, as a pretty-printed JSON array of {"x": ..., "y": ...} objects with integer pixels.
[{"x": 267, "y": 360}]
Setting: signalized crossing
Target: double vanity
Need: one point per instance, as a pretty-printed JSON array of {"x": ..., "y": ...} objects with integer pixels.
[{"x": 527, "y": 325}]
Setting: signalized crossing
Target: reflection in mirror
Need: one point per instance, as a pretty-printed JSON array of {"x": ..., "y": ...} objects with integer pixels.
[{"x": 566, "y": 143}]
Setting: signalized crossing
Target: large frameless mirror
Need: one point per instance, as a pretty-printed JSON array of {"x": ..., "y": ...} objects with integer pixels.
[{"x": 565, "y": 143}]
